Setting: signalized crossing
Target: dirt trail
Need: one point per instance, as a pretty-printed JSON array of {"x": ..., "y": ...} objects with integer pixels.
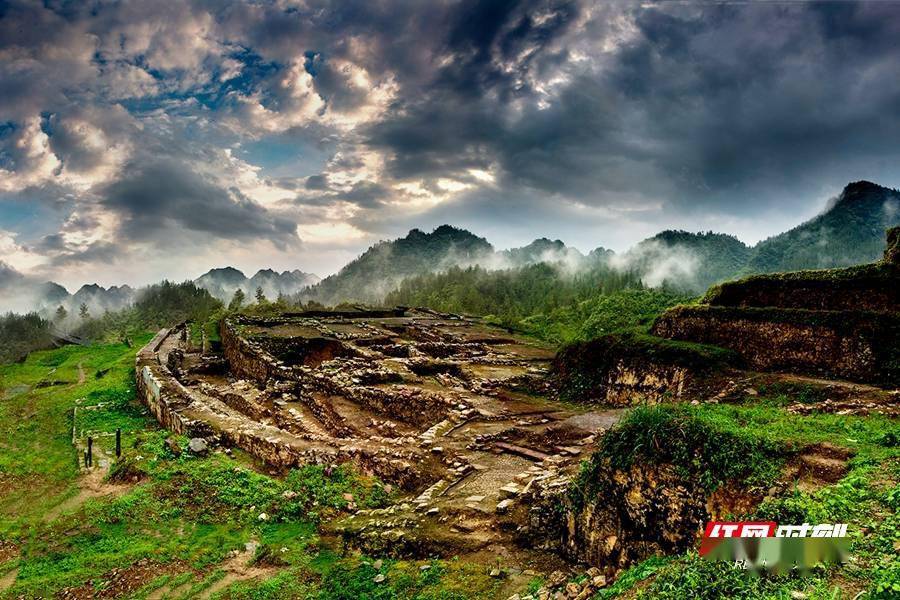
[
  {"x": 238, "y": 568},
  {"x": 8, "y": 580},
  {"x": 80, "y": 374},
  {"x": 92, "y": 485}
]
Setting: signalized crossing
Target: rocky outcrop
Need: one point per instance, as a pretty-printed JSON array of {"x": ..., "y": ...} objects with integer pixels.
[
  {"x": 646, "y": 510},
  {"x": 864, "y": 288}
]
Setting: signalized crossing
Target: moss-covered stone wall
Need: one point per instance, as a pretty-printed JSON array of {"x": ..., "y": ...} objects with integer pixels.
[
  {"x": 621, "y": 370},
  {"x": 860, "y": 346}
]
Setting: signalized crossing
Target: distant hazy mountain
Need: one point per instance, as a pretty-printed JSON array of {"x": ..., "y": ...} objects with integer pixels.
[
  {"x": 21, "y": 293},
  {"x": 223, "y": 283},
  {"x": 544, "y": 250},
  {"x": 850, "y": 232},
  {"x": 383, "y": 266},
  {"x": 100, "y": 299},
  {"x": 689, "y": 261}
]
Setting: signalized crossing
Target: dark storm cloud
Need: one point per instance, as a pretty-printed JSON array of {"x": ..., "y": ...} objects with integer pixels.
[
  {"x": 147, "y": 122},
  {"x": 156, "y": 198},
  {"x": 702, "y": 104}
]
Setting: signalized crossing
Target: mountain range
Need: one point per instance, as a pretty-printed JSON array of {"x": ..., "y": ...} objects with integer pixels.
[
  {"x": 223, "y": 283},
  {"x": 850, "y": 231}
]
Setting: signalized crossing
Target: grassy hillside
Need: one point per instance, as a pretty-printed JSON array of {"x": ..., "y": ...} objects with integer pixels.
[
  {"x": 162, "y": 522},
  {"x": 718, "y": 442}
]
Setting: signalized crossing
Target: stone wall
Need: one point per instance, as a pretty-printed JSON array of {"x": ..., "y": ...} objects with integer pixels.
[
  {"x": 243, "y": 358},
  {"x": 874, "y": 287},
  {"x": 178, "y": 409},
  {"x": 644, "y": 511},
  {"x": 622, "y": 370},
  {"x": 860, "y": 346},
  {"x": 162, "y": 394}
]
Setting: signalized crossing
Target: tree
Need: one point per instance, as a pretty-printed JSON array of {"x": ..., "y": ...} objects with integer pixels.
[
  {"x": 60, "y": 315},
  {"x": 237, "y": 301},
  {"x": 83, "y": 311},
  {"x": 260, "y": 296}
]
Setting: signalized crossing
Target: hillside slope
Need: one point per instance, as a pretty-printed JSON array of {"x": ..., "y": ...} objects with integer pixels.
[
  {"x": 849, "y": 233},
  {"x": 687, "y": 261}
]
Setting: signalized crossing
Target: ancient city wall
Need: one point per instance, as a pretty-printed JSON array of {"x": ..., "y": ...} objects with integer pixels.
[
  {"x": 860, "y": 346},
  {"x": 180, "y": 410},
  {"x": 622, "y": 370},
  {"x": 162, "y": 394},
  {"x": 243, "y": 358},
  {"x": 867, "y": 287}
]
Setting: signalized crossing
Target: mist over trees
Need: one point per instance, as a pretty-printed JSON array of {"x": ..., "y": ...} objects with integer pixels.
[{"x": 21, "y": 334}]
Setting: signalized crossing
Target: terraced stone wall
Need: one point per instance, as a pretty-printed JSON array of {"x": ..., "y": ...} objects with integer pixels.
[
  {"x": 244, "y": 360},
  {"x": 873, "y": 287},
  {"x": 859, "y": 346},
  {"x": 622, "y": 370}
]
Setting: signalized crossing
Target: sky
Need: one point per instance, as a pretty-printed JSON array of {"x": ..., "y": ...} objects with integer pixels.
[{"x": 142, "y": 140}]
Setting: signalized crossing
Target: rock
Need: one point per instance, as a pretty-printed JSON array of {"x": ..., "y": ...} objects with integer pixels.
[
  {"x": 377, "y": 564},
  {"x": 556, "y": 579},
  {"x": 598, "y": 581},
  {"x": 798, "y": 595},
  {"x": 379, "y": 578},
  {"x": 263, "y": 517},
  {"x": 173, "y": 446},
  {"x": 509, "y": 490},
  {"x": 198, "y": 446},
  {"x": 573, "y": 589},
  {"x": 504, "y": 505},
  {"x": 474, "y": 498},
  {"x": 496, "y": 572}
]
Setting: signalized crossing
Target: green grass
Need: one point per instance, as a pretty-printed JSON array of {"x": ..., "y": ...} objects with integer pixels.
[
  {"x": 703, "y": 447},
  {"x": 867, "y": 498},
  {"x": 182, "y": 513},
  {"x": 37, "y": 463},
  {"x": 186, "y": 514}
]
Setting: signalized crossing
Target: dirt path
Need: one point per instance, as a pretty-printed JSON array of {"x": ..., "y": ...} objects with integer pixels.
[
  {"x": 80, "y": 374},
  {"x": 92, "y": 485},
  {"x": 238, "y": 569},
  {"x": 8, "y": 580}
]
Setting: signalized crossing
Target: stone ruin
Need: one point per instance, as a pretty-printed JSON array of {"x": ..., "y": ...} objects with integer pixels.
[
  {"x": 454, "y": 413},
  {"x": 465, "y": 418},
  {"x": 833, "y": 323}
]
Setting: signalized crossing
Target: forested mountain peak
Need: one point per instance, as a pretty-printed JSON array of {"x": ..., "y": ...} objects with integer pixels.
[
  {"x": 384, "y": 265},
  {"x": 849, "y": 232},
  {"x": 221, "y": 275}
]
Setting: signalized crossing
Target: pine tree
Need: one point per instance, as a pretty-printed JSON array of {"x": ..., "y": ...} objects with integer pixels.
[
  {"x": 260, "y": 296},
  {"x": 61, "y": 314},
  {"x": 83, "y": 311},
  {"x": 237, "y": 301}
]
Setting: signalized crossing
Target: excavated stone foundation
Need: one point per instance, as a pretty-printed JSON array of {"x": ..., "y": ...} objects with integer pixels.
[{"x": 456, "y": 413}]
